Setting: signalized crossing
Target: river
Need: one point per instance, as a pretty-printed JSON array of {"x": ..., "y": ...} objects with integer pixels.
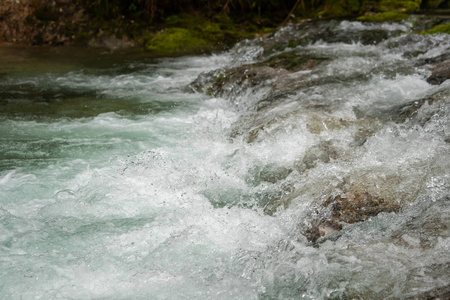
[{"x": 119, "y": 180}]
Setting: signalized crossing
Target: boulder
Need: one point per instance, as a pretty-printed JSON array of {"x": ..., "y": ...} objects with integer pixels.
[
  {"x": 441, "y": 72},
  {"x": 356, "y": 204}
]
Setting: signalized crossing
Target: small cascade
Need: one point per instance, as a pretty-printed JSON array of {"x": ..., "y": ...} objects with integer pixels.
[{"x": 309, "y": 164}]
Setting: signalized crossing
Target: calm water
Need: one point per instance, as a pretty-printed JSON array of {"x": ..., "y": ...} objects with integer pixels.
[{"x": 118, "y": 182}]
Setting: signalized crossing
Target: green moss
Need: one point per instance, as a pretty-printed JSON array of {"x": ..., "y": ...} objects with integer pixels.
[
  {"x": 400, "y": 5},
  {"x": 443, "y": 28},
  {"x": 177, "y": 40},
  {"x": 389, "y": 10},
  {"x": 191, "y": 34},
  {"x": 292, "y": 61},
  {"x": 384, "y": 17},
  {"x": 277, "y": 47},
  {"x": 294, "y": 43}
]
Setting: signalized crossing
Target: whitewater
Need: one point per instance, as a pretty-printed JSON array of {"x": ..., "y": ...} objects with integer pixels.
[{"x": 120, "y": 179}]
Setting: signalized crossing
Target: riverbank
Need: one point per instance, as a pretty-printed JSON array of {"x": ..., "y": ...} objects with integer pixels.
[{"x": 166, "y": 30}]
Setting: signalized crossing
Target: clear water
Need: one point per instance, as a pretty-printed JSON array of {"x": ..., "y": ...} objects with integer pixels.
[{"x": 117, "y": 182}]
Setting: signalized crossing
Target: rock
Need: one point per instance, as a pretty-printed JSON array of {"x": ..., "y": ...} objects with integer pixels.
[
  {"x": 231, "y": 82},
  {"x": 317, "y": 124},
  {"x": 13, "y": 28},
  {"x": 319, "y": 229},
  {"x": 354, "y": 204},
  {"x": 357, "y": 205},
  {"x": 441, "y": 72},
  {"x": 293, "y": 62},
  {"x": 269, "y": 173},
  {"x": 434, "y": 293},
  {"x": 330, "y": 31},
  {"x": 419, "y": 111},
  {"x": 324, "y": 152}
]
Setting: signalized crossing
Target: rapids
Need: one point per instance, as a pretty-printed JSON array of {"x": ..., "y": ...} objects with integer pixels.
[{"x": 129, "y": 177}]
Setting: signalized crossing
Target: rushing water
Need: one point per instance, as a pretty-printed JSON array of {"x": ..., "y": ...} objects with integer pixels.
[{"x": 119, "y": 182}]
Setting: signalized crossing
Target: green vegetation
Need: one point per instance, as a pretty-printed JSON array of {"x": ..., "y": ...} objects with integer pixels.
[
  {"x": 186, "y": 33},
  {"x": 176, "y": 40},
  {"x": 389, "y": 10},
  {"x": 443, "y": 28},
  {"x": 399, "y": 5},
  {"x": 197, "y": 26},
  {"x": 384, "y": 17}
]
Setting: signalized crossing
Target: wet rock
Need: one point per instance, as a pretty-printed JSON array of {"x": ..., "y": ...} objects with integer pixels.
[
  {"x": 330, "y": 31},
  {"x": 317, "y": 124},
  {"x": 441, "y": 72},
  {"x": 293, "y": 61},
  {"x": 253, "y": 87},
  {"x": 232, "y": 81},
  {"x": 269, "y": 173},
  {"x": 324, "y": 152},
  {"x": 426, "y": 229},
  {"x": 428, "y": 21},
  {"x": 355, "y": 204},
  {"x": 434, "y": 293},
  {"x": 433, "y": 60},
  {"x": 319, "y": 229},
  {"x": 239, "y": 79},
  {"x": 420, "y": 111}
]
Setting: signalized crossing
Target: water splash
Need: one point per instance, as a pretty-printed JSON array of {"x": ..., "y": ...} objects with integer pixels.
[{"x": 174, "y": 194}]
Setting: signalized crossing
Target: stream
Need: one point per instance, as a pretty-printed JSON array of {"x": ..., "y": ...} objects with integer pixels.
[{"x": 228, "y": 176}]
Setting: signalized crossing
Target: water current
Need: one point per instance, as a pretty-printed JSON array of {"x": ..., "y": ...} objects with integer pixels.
[{"x": 119, "y": 180}]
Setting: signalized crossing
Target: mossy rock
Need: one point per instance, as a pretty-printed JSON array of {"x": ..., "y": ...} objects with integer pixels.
[
  {"x": 400, "y": 5},
  {"x": 443, "y": 28},
  {"x": 186, "y": 34},
  {"x": 389, "y": 10},
  {"x": 292, "y": 62},
  {"x": 384, "y": 17},
  {"x": 177, "y": 40}
]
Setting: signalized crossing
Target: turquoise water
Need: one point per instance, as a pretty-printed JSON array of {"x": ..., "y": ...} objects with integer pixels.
[{"x": 117, "y": 181}]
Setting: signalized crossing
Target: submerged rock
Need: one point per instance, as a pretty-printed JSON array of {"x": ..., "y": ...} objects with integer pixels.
[
  {"x": 324, "y": 152},
  {"x": 269, "y": 173}
]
